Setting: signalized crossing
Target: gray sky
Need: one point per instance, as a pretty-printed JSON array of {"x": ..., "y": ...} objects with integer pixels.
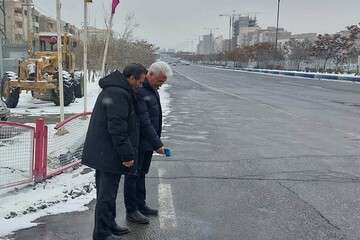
[{"x": 174, "y": 23}]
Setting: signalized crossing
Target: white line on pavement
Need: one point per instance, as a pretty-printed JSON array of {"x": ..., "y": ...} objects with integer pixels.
[{"x": 167, "y": 215}]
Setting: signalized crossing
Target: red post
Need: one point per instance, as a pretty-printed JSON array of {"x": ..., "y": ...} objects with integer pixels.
[
  {"x": 40, "y": 150},
  {"x": 45, "y": 152}
]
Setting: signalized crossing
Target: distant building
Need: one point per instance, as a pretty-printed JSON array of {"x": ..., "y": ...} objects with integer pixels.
[
  {"x": 47, "y": 24},
  {"x": 218, "y": 44},
  {"x": 299, "y": 37},
  {"x": 206, "y": 45},
  {"x": 14, "y": 23},
  {"x": 96, "y": 33},
  {"x": 226, "y": 45},
  {"x": 242, "y": 27},
  {"x": 269, "y": 35},
  {"x": 305, "y": 36},
  {"x": 35, "y": 20}
]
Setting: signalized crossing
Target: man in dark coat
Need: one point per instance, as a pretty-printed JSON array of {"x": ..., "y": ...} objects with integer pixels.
[
  {"x": 150, "y": 113},
  {"x": 111, "y": 145}
]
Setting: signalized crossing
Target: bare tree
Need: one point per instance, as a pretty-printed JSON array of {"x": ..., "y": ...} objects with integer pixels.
[
  {"x": 332, "y": 47},
  {"x": 130, "y": 26},
  {"x": 298, "y": 51}
]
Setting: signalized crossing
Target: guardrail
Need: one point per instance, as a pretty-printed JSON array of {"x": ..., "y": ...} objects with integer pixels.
[
  {"x": 66, "y": 143},
  {"x": 17, "y": 144},
  {"x": 34, "y": 153}
]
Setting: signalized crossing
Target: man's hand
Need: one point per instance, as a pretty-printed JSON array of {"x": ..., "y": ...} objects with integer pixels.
[
  {"x": 161, "y": 151},
  {"x": 128, "y": 164}
]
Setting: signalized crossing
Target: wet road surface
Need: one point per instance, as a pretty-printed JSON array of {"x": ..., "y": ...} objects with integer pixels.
[{"x": 256, "y": 157}]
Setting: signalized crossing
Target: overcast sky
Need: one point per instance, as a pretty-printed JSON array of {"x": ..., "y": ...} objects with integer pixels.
[{"x": 175, "y": 23}]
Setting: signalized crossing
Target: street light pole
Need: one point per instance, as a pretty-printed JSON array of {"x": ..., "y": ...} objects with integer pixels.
[
  {"x": 277, "y": 28},
  {"x": 230, "y": 35},
  {"x": 60, "y": 67},
  {"x": 1, "y": 56},
  {"x": 85, "y": 53},
  {"x": 27, "y": 6},
  {"x": 29, "y": 27}
]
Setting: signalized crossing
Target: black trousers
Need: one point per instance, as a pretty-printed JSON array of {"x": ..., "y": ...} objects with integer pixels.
[
  {"x": 134, "y": 185},
  {"x": 107, "y": 185}
]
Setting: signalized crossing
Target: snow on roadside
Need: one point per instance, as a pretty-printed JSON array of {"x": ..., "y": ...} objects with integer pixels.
[
  {"x": 68, "y": 192},
  {"x": 286, "y": 71},
  {"x": 165, "y": 99},
  {"x": 65, "y": 193}
]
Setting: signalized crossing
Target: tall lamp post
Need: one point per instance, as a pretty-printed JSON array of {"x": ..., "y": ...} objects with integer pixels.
[
  {"x": 277, "y": 29},
  {"x": 2, "y": 35},
  {"x": 60, "y": 66},
  {"x": 85, "y": 63}
]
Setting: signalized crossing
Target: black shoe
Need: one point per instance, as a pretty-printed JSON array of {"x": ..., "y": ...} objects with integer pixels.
[
  {"x": 147, "y": 211},
  {"x": 118, "y": 230},
  {"x": 112, "y": 237},
  {"x": 137, "y": 217}
]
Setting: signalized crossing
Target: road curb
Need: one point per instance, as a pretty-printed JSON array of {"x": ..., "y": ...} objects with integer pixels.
[{"x": 304, "y": 74}]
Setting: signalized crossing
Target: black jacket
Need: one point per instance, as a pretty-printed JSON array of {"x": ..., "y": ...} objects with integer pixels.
[
  {"x": 150, "y": 114},
  {"x": 114, "y": 129}
]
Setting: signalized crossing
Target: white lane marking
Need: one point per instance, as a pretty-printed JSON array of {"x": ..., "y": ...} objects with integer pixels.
[{"x": 167, "y": 215}]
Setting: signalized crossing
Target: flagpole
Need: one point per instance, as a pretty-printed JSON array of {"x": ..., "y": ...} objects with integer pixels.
[{"x": 107, "y": 46}]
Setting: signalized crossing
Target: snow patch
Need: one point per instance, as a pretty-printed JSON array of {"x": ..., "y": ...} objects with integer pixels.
[
  {"x": 165, "y": 99},
  {"x": 65, "y": 193}
]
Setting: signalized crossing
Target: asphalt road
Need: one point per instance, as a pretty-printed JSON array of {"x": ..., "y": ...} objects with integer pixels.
[{"x": 256, "y": 157}]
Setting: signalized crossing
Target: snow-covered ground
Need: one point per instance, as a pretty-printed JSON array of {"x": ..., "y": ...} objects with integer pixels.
[
  {"x": 68, "y": 192},
  {"x": 65, "y": 193},
  {"x": 302, "y": 72}
]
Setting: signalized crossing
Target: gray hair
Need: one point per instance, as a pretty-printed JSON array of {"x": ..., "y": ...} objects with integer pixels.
[{"x": 161, "y": 67}]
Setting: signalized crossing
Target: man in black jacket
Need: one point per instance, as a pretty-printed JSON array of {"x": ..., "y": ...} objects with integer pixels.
[
  {"x": 150, "y": 113},
  {"x": 111, "y": 145}
]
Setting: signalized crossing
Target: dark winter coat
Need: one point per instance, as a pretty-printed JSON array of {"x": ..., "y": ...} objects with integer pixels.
[
  {"x": 150, "y": 114},
  {"x": 114, "y": 130}
]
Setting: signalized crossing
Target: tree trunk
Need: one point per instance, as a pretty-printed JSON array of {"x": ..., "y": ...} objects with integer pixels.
[{"x": 325, "y": 63}]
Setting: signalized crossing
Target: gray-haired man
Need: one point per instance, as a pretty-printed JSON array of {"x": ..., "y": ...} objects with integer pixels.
[{"x": 150, "y": 114}]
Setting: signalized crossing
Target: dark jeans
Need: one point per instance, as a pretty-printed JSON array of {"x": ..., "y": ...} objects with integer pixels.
[
  {"x": 107, "y": 185},
  {"x": 134, "y": 185}
]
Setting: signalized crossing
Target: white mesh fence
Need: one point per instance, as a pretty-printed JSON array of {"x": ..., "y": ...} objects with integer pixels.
[
  {"x": 65, "y": 146},
  {"x": 16, "y": 154}
]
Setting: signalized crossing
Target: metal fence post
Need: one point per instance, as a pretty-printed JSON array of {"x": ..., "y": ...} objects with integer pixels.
[{"x": 40, "y": 167}]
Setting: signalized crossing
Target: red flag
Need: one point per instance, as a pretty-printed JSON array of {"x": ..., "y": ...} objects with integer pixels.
[{"x": 115, "y": 3}]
